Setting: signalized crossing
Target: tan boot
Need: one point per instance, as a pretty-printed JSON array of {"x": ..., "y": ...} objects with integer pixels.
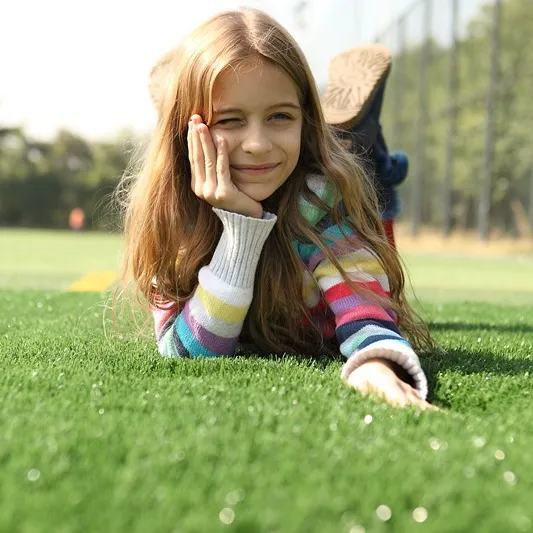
[{"x": 354, "y": 76}]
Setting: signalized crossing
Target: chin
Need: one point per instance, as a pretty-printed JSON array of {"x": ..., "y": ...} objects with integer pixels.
[
  {"x": 259, "y": 197},
  {"x": 255, "y": 193}
]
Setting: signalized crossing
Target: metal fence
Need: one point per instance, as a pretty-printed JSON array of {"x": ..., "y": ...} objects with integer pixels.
[{"x": 458, "y": 103}]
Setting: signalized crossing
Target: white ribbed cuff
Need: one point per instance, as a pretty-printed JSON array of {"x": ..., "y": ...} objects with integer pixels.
[
  {"x": 393, "y": 351},
  {"x": 238, "y": 251}
]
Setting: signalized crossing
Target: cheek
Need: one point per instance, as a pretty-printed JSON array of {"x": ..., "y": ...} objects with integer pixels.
[
  {"x": 291, "y": 143},
  {"x": 231, "y": 140},
  {"x": 295, "y": 147}
]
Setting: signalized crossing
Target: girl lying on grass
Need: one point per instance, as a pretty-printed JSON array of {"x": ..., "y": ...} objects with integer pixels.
[{"x": 250, "y": 227}]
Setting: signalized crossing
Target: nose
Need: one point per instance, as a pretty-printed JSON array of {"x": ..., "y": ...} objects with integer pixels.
[{"x": 256, "y": 140}]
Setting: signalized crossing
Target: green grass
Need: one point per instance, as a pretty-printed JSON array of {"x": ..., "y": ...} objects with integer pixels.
[
  {"x": 48, "y": 260},
  {"x": 99, "y": 433},
  {"x": 506, "y": 280}
]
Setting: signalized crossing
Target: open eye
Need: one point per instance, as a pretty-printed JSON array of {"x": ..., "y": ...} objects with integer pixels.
[{"x": 281, "y": 116}]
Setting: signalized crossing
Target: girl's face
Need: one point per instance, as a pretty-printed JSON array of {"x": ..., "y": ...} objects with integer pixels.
[{"x": 256, "y": 109}]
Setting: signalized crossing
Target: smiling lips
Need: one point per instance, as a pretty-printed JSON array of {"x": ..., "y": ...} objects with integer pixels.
[{"x": 255, "y": 170}]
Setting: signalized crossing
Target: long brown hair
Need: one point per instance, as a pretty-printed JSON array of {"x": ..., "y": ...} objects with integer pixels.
[{"x": 170, "y": 233}]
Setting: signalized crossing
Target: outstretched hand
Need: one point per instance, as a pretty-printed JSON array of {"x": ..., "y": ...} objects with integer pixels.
[
  {"x": 210, "y": 172},
  {"x": 376, "y": 376}
]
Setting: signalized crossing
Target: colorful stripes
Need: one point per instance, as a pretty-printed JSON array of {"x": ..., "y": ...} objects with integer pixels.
[
  {"x": 361, "y": 317},
  {"x": 210, "y": 323},
  {"x": 215, "y": 303}
]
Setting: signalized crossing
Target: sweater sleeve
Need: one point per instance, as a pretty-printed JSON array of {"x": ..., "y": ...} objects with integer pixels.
[
  {"x": 211, "y": 320},
  {"x": 364, "y": 329}
]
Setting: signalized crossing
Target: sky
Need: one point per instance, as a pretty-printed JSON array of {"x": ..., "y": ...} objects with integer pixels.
[{"x": 84, "y": 66}]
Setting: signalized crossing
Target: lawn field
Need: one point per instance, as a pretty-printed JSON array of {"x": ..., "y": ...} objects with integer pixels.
[{"x": 98, "y": 433}]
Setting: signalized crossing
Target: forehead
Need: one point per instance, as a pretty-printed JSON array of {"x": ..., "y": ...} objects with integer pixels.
[{"x": 253, "y": 86}]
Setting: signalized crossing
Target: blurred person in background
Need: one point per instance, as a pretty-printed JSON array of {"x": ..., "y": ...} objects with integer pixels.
[
  {"x": 352, "y": 105},
  {"x": 76, "y": 219}
]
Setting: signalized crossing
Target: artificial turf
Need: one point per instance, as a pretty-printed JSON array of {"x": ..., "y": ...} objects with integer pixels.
[{"x": 99, "y": 433}]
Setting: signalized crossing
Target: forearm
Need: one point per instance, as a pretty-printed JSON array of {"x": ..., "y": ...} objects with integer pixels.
[{"x": 210, "y": 323}]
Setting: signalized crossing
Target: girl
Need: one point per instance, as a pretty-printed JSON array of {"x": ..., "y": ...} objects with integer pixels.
[{"x": 249, "y": 226}]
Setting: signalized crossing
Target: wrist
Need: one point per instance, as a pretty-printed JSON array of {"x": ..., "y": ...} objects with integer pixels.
[
  {"x": 248, "y": 211},
  {"x": 381, "y": 362},
  {"x": 256, "y": 213}
]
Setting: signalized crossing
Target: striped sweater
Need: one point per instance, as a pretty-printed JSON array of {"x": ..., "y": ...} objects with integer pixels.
[{"x": 210, "y": 322}]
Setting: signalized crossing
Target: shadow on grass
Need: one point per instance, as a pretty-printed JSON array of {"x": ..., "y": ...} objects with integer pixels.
[{"x": 469, "y": 362}]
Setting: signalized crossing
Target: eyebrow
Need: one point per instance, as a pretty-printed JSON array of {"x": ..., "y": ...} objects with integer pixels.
[{"x": 224, "y": 110}]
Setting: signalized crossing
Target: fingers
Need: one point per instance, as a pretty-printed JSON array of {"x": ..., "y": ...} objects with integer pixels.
[
  {"x": 413, "y": 398},
  {"x": 222, "y": 167},
  {"x": 190, "y": 146},
  {"x": 210, "y": 159},
  {"x": 196, "y": 158},
  {"x": 203, "y": 159},
  {"x": 430, "y": 407},
  {"x": 395, "y": 392}
]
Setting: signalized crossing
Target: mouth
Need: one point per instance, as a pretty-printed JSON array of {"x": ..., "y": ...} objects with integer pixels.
[{"x": 255, "y": 170}]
